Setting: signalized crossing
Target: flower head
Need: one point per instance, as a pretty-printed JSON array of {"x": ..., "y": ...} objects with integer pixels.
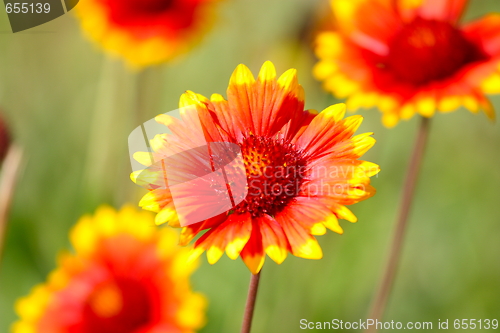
[
  {"x": 301, "y": 168},
  {"x": 145, "y": 32},
  {"x": 409, "y": 56},
  {"x": 126, "y": 276}
]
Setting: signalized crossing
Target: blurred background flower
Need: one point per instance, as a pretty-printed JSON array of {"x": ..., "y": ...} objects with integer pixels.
[
  {"x": 126, "y": 275},
  {"x": 408, "y": 57},
  {"x": 51, "y": 82},
  {"x": 146, "y": 32}
]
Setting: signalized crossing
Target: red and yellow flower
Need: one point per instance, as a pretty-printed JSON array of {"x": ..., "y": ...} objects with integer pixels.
[
  {"x": 146, "y": 32},
  {"x": 312, "y": 155},
  {"x": 126, "y": 276},
  {"x": 409, "y": 57}
]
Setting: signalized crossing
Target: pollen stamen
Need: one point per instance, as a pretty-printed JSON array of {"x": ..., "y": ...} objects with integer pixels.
[{"x": 275, "y": 170}]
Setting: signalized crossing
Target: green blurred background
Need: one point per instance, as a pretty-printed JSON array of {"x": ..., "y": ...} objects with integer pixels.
[{"x": 71, "y": 108}]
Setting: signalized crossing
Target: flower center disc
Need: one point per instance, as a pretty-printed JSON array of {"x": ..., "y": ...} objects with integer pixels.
[
  {"x": 120, "y": 306},
  {"x": 425, "y": 51},
  {"x": 274, "y": 170},
  {"x": 149, "y": 6}
]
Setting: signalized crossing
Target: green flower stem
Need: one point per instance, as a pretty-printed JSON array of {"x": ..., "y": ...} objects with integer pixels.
[
  {"x": 11, "y": 167},
  {"x": 250, "y": 306},
  {"x": 380, "y": 303}
]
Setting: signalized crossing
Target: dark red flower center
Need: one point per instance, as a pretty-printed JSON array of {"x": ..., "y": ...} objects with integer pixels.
[
  {"x": 275, "y": 170},
  {"x": 152, "y": 17},
  {"x": 147, "y": 6},
  {"x": 427, "y": 50},
  {"x": 120, "y": 306}
]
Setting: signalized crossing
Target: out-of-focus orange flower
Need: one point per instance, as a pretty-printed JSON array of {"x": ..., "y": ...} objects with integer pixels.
[
  {"x": 146, "y": 32},
  {"x": 301, "y": 167},
  {"x": 126, "y": 276},
  {"x": 409, "y": 56}
]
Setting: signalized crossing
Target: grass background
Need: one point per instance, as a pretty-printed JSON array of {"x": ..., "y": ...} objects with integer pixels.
[{"x": 71, "y": 108}]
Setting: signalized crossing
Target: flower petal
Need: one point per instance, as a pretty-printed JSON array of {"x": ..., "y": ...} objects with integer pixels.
[
  {"x": 230, "y": 236},
  {"x": 486, "y": 33},
  {"x": 274, "y": 239},
  {"x": 262, "y": 106},
  {"x": 326, "y": 130},
  {"x": 253, "y": 253},
  {"x": 303, "y": 244},
  {"x": 369, "y": 31},
  {"x": 442, "y": 10}
]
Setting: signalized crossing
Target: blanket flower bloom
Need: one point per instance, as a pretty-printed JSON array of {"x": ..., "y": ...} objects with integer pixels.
[
  {"x": 125, "y": 277},
  {"x": 301, "y": 168},
  {"x": 145, "y": 32},
  {"x": 409, "y": 57}
]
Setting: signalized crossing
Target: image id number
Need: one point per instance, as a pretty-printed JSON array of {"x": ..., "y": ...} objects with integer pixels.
[{"x": 24, "y": 8}]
